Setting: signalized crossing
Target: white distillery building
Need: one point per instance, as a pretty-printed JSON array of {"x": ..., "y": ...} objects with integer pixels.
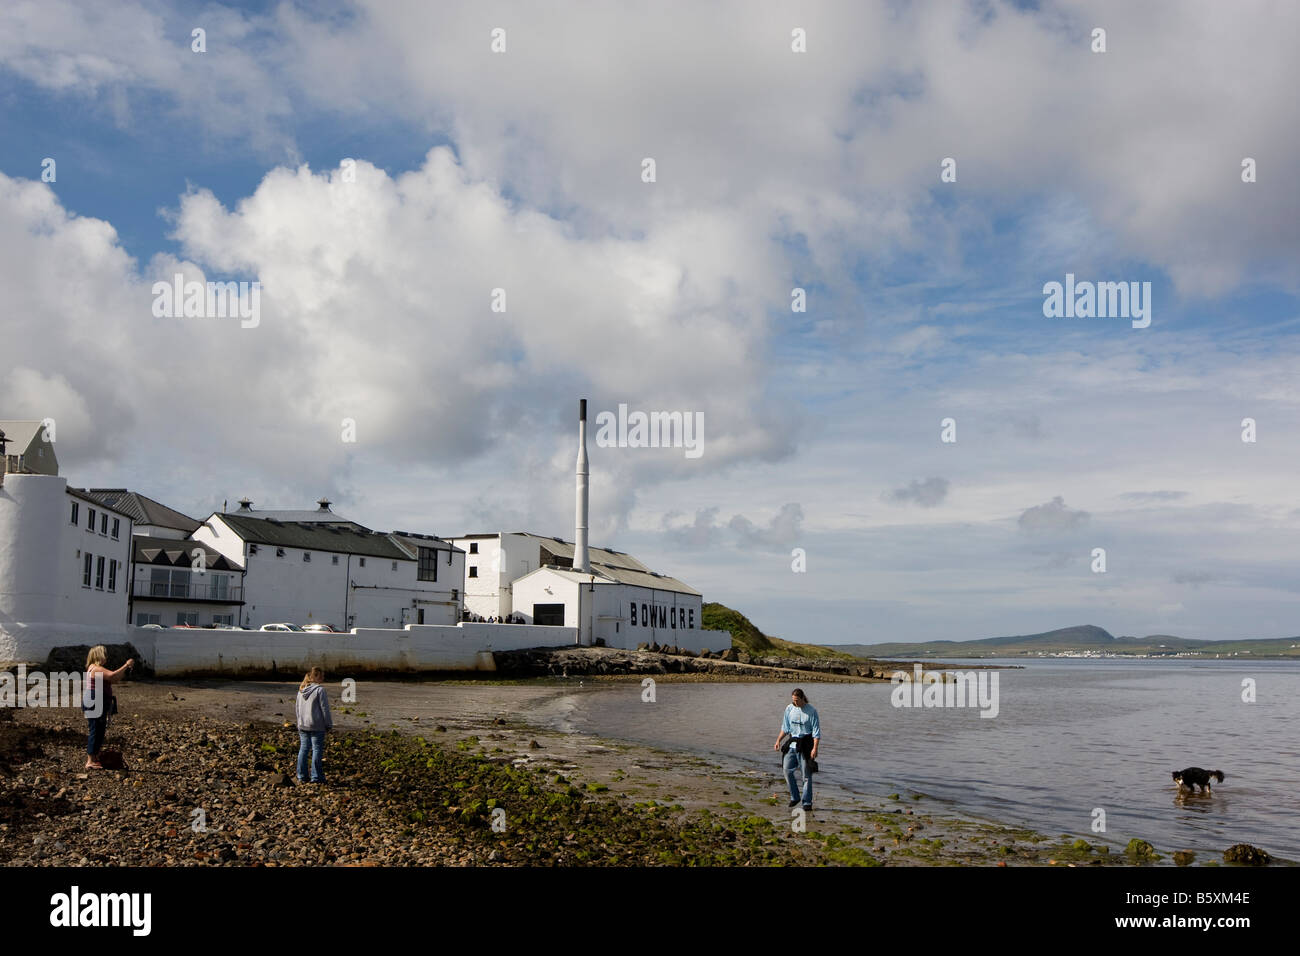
[
  {"x": 607, "y": 595},
  {"x": 516, "y": 572},
  {"x": 319, "y": 568},
  {"x": 64, "y": 567},
  {"x": 175, "y": 581}
]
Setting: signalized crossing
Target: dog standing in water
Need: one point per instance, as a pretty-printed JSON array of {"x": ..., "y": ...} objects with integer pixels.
[{"x": 1194, "y": 777}]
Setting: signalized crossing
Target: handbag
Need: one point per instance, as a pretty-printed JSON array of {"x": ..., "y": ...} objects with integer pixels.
[{"x": 785, "y": 743}]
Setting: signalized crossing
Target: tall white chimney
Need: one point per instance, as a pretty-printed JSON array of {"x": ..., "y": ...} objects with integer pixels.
[{"x": 581, "y": 561}]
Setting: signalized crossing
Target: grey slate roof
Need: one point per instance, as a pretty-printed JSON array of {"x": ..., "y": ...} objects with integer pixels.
[
  {"x": 313, "y": 537},
  {"x": 306, "y": 516},
  {"x": 617, "y": 565},
  {"x": 98, "y": 503},
  {"x": 411, "y": 542},
  {"x": 143, "y": 510}
]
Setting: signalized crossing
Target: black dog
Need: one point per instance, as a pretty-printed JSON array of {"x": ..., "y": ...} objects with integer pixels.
[{"x": 1194, "y": 777}]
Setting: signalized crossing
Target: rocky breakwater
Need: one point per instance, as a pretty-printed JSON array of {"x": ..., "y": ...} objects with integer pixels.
[{"x": 654, "y": 660}]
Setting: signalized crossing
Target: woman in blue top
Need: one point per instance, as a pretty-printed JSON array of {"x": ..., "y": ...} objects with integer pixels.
[{"x": 801, "y": 723}]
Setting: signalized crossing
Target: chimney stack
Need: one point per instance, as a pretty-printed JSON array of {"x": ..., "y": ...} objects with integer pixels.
[{"x": 581, "y": 561}]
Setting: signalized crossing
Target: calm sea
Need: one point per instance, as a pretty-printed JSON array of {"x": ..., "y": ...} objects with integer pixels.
[{"x": 1070, "y": 736}]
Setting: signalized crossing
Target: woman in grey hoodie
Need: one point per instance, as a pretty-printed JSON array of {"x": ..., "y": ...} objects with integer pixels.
[{"x": 313, "y": 712}]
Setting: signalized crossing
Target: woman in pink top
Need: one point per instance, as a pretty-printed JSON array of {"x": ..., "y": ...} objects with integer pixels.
[{"x": 98, "y": 700}]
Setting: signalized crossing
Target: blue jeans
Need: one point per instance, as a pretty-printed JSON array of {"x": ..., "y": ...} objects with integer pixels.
[
  {"x": 796, "y": 761},
  {"x": 313, "y": 742},
  {"x": 97, "y": 728}
]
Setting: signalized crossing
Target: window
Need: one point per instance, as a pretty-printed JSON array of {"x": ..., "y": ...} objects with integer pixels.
[
  {"x": 187, "y": 617},
  {"x": 99, "y": 573},
  {"x": 279, "y": 552},
  {"x": 473, "y": 572},
  {"x": 428, "y": 570},
  {"x": 223, "y": 619},
  {"x": 252, "y": 549},
  {"x": 306, "y": 557},
  {"x": 112, "y": 575},
  {"x": 85, "y": 574},
  {"x": 103, "y": 522},
  {"x": 334, "y": 559},
  {"x": 76, "y": 509},
  {"x": 117, "y": 527},
  {"x": 362, "y": 561},
  {"x": 169, "y": 582},
  {"x": 394, "y": 565},
  {"x": 548, "y": 615},
  {"x": 473, "y": 547},
  {"x": 142, "y": 619},
  {"x": 90, "y": 519}
]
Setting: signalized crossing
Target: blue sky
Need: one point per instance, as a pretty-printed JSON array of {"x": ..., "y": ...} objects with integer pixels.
[{"x": 522, "y": 170}]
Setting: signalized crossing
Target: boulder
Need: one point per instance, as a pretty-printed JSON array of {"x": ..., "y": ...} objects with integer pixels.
[{"x": 1246, "y": 855}]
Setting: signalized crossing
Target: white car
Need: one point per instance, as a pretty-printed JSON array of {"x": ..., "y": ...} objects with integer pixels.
[
  {"x": 322, "y": 628},
  {"x": 279, "y": 627}
]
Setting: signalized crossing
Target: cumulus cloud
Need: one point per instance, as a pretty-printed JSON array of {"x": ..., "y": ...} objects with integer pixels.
[
  {"x": 1052, "y": 518},
  {"x": 704, "y": 531},
  {"x": 780, "y": 532},
  {"x": 928, "y": 493},
  {"x": 699, "y": 534},
  {"x": 376, "y": 307}
]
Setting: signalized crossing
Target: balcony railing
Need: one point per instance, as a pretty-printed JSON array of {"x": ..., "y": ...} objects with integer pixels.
[{"x": 193, "y": 591}]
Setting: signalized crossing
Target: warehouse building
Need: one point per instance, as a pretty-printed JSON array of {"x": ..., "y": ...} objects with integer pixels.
[
  {"x": 324, "y": 569},
  {"x": 608, "y": 595}
]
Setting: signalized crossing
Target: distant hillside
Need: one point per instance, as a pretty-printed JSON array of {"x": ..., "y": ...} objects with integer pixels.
[
  {"x": 746, "y": 637},
  {"x": 1080, "y": 639}
]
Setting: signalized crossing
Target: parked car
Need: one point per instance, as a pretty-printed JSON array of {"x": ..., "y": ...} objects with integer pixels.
[
  {"x": 322, "y": 628},
  {"x": 280, "y": 627}
]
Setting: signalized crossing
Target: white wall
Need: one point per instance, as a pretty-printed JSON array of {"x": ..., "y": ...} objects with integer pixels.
[
  {"x": 486, "y": 594},
  {"x": 177, "y": 652},
  {"x": 502, "y": 560},
  {"x": 158, "y": 531},
  {"x": 610, "y": 612},
  {"x": 42, "y": 601}
]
